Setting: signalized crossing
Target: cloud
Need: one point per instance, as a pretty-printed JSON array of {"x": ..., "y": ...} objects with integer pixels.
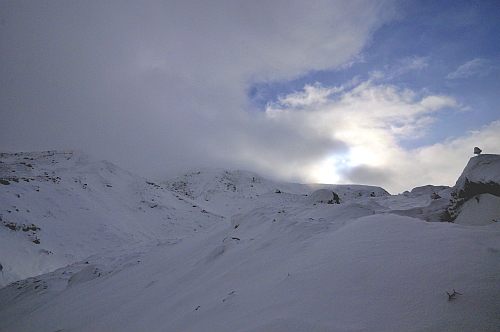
[
  {"x": 368, "y": 174},
  {"x": 437, "y": 164},
  {"x": 468, "y": 69},
  {"x": 336, "y": 135},
  {"x": 160, "y": 86},
  {"x": 411, "y": 63},
  {"x": 357, "y": 58},
  {"x": 341, "y": 135},
  {"x": 402, "y": 66}
]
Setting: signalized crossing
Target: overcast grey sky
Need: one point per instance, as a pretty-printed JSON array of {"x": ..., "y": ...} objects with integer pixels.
[{"x": 390, "y": 93}]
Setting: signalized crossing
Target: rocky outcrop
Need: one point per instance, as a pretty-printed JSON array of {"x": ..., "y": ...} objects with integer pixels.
[
  {"x": 325, "y": 196},
  {"x": 480, "y": 180}
]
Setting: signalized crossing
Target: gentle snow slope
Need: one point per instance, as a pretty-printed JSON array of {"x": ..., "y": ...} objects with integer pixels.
[{"x": 377, "y": 273}]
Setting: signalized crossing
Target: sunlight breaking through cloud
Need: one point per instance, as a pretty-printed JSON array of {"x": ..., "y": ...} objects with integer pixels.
[{"x": 370, "y": 119}]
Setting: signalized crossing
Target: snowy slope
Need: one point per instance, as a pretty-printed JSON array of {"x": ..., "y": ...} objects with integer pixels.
[
  {"x": 229, "y": 192},
  {"x": 58, "y": 208},
  {"x": 266, "y": 256},
  {"x": 375, "y": 273}
]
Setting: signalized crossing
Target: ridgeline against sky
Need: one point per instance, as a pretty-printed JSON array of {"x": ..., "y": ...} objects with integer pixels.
[{"x": 389, "y": 93}]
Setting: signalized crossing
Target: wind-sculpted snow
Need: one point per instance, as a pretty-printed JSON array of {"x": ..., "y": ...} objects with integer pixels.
[{"x": 217, "y": 250}]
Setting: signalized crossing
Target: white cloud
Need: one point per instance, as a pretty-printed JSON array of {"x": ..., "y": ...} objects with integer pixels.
[
  {"x": 403, "y": 66},
  {"x": 411, "y": 63},
  {"x": 442, "y": 163},
  {"x": 331, "y": 135},
  {"x": 415, "y": 62},
  {"x": 468, "y": 69},
  {"x": 357, "y": 58}
]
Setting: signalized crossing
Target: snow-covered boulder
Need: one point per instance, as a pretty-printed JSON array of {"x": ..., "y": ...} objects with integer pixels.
[
  {"x": 325, "y": 196},
  {"x": 480, "y": 180}
]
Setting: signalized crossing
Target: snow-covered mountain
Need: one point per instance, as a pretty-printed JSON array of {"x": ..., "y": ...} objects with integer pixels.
[
  {"x": 88, "y": 246},
  {"x": 61, "y": 207},
  {"x": 230, "y": 192}
]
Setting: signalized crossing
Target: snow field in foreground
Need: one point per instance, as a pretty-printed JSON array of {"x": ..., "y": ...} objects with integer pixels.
[
  {"x": 215, "y": 250},
  {"x": 377, "y": 273}
]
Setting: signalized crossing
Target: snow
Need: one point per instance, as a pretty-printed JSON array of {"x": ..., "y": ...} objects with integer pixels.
[
  {"x": 483, "y": 210},
  {"x": 82, "y": 207},
  {"x": 265, "y": 256}
]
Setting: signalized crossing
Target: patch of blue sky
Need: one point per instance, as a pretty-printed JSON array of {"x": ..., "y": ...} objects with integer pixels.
[{"x": 440, "y": 47}]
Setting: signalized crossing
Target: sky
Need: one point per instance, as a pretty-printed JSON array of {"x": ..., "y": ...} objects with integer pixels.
[{"x": 379, "y": 92}]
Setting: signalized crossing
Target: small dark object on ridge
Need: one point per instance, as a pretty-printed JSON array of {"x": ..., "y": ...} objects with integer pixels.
[{"x": 452, "y": 295}]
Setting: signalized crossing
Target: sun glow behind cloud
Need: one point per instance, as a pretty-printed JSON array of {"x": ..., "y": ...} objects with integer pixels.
[{"x": 370, "y": 120}]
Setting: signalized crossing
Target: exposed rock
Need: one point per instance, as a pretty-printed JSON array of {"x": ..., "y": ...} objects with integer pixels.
[
  {"x": 480, "y": 176},
  {"x": 434, "y": 196},
  {"x": 325, "y": 196}
]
